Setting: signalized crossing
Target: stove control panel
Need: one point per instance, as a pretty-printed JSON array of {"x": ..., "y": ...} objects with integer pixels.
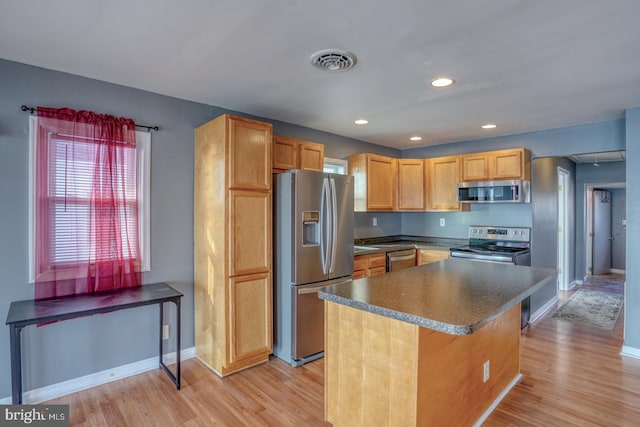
[{"x": 512, "y": 234}]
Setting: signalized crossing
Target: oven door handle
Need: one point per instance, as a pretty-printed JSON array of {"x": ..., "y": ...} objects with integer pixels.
[{"x": 479, "y": 257}]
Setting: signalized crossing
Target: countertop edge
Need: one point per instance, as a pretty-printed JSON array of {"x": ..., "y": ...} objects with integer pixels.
[
  {"x": 432, "y": 323},
  {"x": 398, "y": 315}
]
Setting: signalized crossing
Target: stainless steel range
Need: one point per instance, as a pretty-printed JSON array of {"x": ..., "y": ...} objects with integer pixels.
[{"x": 499, "y": 244}]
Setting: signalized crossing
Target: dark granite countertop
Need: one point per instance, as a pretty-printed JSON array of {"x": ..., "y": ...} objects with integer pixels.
[
  {"x": 396, "y": 243},
  {"x": 452, "y": 296}
]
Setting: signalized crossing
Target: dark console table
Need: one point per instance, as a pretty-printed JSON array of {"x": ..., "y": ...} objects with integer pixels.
[{"x": 31, "y": 312}]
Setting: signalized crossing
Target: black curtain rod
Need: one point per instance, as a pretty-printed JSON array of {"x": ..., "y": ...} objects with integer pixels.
[{"x": 33, "y": 110}]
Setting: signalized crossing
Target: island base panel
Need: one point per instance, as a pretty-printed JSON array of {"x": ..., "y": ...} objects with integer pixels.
[{"x": 380, "y": 370}]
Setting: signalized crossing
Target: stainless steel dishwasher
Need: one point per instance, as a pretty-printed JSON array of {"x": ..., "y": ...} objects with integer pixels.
[{"x": 398, "y": 260}]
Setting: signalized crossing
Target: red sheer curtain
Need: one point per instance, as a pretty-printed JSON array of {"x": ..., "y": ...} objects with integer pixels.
[{"x": 86, "y": 211}]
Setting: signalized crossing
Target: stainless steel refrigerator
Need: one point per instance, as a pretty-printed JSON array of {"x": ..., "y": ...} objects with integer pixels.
[{"x": 313, "y": 235}]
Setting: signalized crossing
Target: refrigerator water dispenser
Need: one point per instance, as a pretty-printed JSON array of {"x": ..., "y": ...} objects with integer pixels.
[{"x": 310, "y": 228}]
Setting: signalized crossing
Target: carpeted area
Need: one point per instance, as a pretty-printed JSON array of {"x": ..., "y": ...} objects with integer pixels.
[{"x": 593, "y": 308}]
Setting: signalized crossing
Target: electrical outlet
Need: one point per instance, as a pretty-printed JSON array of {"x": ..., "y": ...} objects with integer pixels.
[
  {"x": 486, "y": 372},
  {"x": 374, "y": 221},
  {"x": 442, "y": 222},
  {"x": 165, "y": 332}
]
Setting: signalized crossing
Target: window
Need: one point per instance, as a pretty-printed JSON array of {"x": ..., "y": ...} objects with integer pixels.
[
  {"x": 335, "y": 166},
  {"x": 69, "y": 207}
]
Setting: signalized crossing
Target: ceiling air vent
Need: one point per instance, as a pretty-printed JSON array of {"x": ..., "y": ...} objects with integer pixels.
[{"x": 333, "y": 60}]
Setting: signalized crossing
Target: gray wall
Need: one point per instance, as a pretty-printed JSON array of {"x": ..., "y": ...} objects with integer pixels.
[
  {"x": 544, "y": 232},
  {"x": 587, "y": 174},
  {"x": 87, "y": 345},
  {"x": 632, "y": 291},
  {"x": 618, "y": 230},
  {"x": 71, "y": 349}
]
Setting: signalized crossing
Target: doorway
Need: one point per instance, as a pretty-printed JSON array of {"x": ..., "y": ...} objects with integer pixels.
[
  {"x": 605, "y": 228},
  {"x": 602, "y": 238},
  {"x": 563, "y": 229}
]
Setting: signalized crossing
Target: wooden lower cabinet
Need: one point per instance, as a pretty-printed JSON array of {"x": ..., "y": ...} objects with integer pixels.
[
  {"x": 249, "y": 318},
  {"x": 383, "y": 371},
  {"x": 369, "y": 265},
  {"x": 426, "y": 256}
]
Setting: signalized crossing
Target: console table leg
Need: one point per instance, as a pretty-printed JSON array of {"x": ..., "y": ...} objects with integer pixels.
[
  {"x": 160, "y": 338},
  {"x": 178, "y": 343},
  {"x": 16, "y": 364}
]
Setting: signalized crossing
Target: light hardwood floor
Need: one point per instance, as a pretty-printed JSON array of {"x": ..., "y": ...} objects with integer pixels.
[{"x": 573, "y": 376}]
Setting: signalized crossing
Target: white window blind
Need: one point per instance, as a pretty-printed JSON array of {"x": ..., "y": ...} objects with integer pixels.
[{"x": 71, "y": 171}]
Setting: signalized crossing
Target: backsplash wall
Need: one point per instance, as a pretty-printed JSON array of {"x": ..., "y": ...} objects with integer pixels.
[
  {"x": 457, "y": 223},
  {"x": 387, "y": 224},
  {"x": 427, "y": 224}
]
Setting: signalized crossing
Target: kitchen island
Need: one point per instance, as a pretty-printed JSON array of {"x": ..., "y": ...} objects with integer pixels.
[{"x": 436, "y": 344}]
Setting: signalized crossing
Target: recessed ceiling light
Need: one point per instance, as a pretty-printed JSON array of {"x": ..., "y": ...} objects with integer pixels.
[
  {"x": 489, "y": 126},
  {"x": 442, "y": 82},
  {"x": 361, "y": 121},
  {"x": 416, "y": 138}
]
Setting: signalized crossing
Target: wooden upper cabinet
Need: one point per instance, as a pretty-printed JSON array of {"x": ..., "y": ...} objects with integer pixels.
[
  {"x": 411, "y": 185},
  {"x": 291, "y": 153},
  {"x": 497, "y": 165},
  {"x": 285, "y": 153},
  {"x": 249, "y": 145},
  {"x": 443, "y": 175},
  {"x": 374, "y": 182},
  {"x": 511, "y": 164},
  {"x": 475, "y": 167},
  {"x": 311, "y": 156}
]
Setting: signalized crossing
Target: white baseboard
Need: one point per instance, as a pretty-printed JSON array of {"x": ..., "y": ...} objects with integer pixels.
[
  {"x": 580, "y": 282},
  {"x": 496, "y": 402},
  {"x": 630, "y": 352},
  {"x": 542, "y": 310},
  {"x": 82, "y": 383},
  {"x": 615, "y": 270}
]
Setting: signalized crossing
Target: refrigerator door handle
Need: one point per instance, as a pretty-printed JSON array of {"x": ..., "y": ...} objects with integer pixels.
[
  {"x": 334, "y": 224},
  {"x": 325, "y": 221}
]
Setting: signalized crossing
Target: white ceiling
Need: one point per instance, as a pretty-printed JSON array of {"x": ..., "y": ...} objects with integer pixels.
[{"x": 525, "y": 65}]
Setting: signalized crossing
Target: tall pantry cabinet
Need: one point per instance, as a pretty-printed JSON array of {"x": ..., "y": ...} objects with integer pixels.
[{"x": 232, "y": 238}]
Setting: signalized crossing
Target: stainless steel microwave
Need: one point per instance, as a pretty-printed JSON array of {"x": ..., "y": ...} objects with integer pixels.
[{"x": 514, "y": 191}]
